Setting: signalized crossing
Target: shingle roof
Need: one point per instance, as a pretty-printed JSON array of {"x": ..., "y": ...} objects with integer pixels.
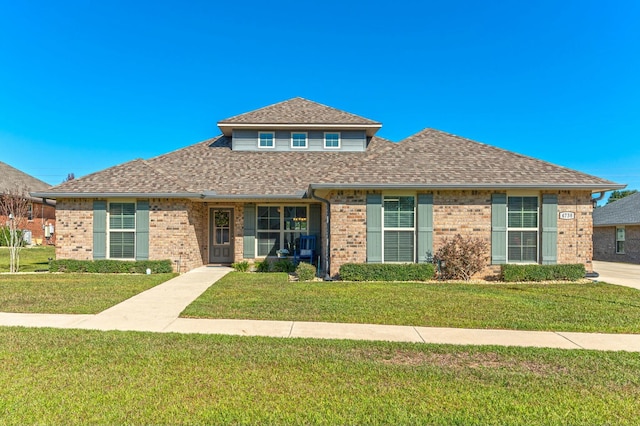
[
  {"x": 298, "y": 111},
  {"x": 625, "y": 211},
  {"x": 12, "y": 178},
  {"x": 430, "y": 159}
]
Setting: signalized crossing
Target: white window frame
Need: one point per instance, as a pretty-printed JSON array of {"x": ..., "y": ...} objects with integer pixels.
[
  {"x": 413, "y": 229},
  {"x": 109, "y": 230},
  {"x": 282, "y": 231},
  {"x": 306, "y": 140},
  {"x": 536, "y": 229},
  {"x": 339, "y": 140},
  {"x": 273, "y": 140},
  {"x": 620, "y": 240}
]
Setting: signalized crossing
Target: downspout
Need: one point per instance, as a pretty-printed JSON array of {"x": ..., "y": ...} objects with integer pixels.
[
  {"x": 600, "y": 197},
  {"x": 327, "y": 261}
]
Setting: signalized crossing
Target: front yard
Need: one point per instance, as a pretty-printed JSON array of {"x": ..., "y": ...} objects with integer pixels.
[
  {"x": 71, "y": 293},
  {"x": 91, "y": 377},
  {"x": 590, "y": 307}
]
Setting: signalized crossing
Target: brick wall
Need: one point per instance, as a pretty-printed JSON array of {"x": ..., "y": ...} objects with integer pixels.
[
  {"x": 457, "y": 212},
  {"x": 74, "y": 229},
  {"x": 604, "y": 244}
]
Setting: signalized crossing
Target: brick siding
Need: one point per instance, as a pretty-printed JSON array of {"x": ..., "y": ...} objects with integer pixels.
[{"x": 604, "y": 244}]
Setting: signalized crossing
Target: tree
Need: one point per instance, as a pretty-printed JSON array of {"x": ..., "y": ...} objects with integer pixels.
[
  {"x": 14, "y": 208},
  {"x": 616, "y": 195}
]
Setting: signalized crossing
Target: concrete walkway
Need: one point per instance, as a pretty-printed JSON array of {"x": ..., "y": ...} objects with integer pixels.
[
  {"x": 157, "y": 310},
  {"x": 625, "y": 274}
]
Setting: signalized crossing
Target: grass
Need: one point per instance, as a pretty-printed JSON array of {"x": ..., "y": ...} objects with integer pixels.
[
  {"x": 90, "y": 377},
  {"x": 71, "y": 293},
  {"x": 31, "y": 259},
  {"x": 585, "y": 307}
]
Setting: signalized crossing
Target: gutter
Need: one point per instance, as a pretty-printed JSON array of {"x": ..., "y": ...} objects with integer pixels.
[
  {"x": 327, "y": 257},
  {"x": 423, "y": 186}
]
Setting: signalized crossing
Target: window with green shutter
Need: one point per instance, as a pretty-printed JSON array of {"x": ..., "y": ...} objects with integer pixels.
[
  {"x": 522, "y": 229},
  {"x": 122, "y": 230},
  {"x": 398, "y": 229}
]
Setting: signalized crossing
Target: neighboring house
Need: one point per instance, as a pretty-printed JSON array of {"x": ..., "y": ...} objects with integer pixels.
[
  {"x": 41, "y": 217},
  {"x": 298, "y": 167},
  {"x": 616, "y": 230}
]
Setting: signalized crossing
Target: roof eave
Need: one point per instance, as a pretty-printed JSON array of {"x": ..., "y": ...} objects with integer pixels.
[
  {"x": 228, "y": 127},
  {"x": 56, "y": 195},
  {"x": 362, "y": 186}
]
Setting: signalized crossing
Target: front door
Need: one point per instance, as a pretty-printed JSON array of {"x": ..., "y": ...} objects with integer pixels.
[{"x": 221, "y": 235}]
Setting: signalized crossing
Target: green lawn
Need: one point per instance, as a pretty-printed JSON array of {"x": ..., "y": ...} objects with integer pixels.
[
  {"x": 31, "y": 259},
  {"x": 71, "y": 293},
  {"x": 90, "y": 377},
  {"x": 586, "y": 307}
]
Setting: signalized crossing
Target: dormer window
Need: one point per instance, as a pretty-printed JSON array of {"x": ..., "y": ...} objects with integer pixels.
[
  {"x": 332, "y": 140},
  {"x": 266, "y": 140},
  {"x": 299, "y": 140}
]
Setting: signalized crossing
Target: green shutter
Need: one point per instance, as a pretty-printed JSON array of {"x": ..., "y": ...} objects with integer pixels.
[
  {"x": 249, "y": 233},
  {"x": 549, "y": 229},
  {"x": 425, "y": 227},
  {"x": 498, "y": 229},
  {"x": 315, "y": 223},
  {"x": 99, "y": 229},
  {"x": 374, "y": 228},
  {"x": 142, "y": 230}
]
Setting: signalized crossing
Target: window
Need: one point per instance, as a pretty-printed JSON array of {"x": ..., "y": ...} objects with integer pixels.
[
  {"x": 332, "y": 140},
  {"x": 266, "y": 140},
  {"x": 398, "y": 229},
  {"x": 122, "y": 225},
  {"x": 30, "y": 211},
  {"x": 522, "y": 229},
  {"x": 620, "y": 236},
  {"x": 298, "y": 140},
  {"x": 280, "y": 227}
]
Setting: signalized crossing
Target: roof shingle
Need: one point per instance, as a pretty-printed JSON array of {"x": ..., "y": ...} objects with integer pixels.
[{"x": 625, "y": 211}]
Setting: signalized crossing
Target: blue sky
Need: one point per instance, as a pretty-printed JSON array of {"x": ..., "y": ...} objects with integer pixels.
[{"x": 88, "y": 85}]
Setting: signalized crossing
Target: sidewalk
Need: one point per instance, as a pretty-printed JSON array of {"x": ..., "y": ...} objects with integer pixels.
[{"x": 157, "y": 310}]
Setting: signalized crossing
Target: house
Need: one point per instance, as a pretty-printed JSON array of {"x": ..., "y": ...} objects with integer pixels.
[
  {"x": 299, "y": 167},
  {"x": 616, "y": 230},
  {"x": 41, "y": 215}
]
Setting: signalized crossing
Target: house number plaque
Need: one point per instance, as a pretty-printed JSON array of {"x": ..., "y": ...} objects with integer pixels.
[{"x": 567, "y": 215}]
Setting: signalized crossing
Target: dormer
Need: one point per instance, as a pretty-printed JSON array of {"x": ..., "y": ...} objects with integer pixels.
[{"x": 298, "y": 125}]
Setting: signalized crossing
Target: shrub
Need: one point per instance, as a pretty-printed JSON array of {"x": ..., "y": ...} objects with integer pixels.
[
  {"x": 570, "y": 272},
  {"x": 111, "y": 266},
  {"x": 305, "y": 271},
  {"x": 241, "y": 266},
  {"x": 283, "y": 265},
  {"x": 463, "y": 257},
  {"x": 5, "y": 236},
  {"x": 387, "y": 271},
  {"x": 264, "y": 266}
]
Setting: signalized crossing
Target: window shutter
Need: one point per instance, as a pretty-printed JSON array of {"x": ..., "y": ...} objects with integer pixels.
[
  {"x": 315, "y": 222},
  {"x": 549, "y": 229},
  {"x": 99, "y": 229},
  {"x": 374, "y": 228},
  {"x": 249, "y": 233},
  {"x": 425, "y": 227},
  {"x": 498, "y": 229},
  {"x": 142, "y": 230}
]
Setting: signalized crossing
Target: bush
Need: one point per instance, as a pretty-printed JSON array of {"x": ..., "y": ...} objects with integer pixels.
[
  {"x": 570, "y": 272},
  {"x": 5, "y": 236},
  {"x": 305, "y": 271},
  {"x": 111, "y": 266},
  {"x": 264, "y": 266},
  {"x": 241, "y": 266},
  {"x": 387, "y": 272},
  {"x": 463, "y": 257},
  {"x": 283, "y": 265}
]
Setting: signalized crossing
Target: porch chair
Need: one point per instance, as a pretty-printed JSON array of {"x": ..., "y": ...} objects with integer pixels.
[{"x": 306, "y": 249}]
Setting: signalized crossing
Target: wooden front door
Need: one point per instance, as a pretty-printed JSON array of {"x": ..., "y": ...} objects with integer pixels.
[{"x": 221, "y": 235}]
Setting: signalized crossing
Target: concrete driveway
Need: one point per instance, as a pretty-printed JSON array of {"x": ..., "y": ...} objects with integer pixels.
[{"x": 625, "y": 274}]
